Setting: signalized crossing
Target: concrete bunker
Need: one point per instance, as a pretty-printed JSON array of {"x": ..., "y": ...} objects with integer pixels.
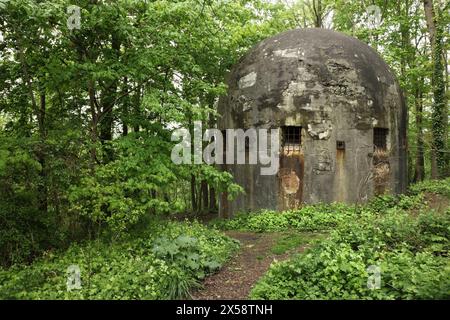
[{"x": 340, "y": 114}]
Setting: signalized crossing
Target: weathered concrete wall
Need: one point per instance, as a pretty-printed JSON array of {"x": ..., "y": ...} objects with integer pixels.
[{"x": 336, "y": 88}]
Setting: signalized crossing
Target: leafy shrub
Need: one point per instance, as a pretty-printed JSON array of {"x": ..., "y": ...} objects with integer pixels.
[
  {"x": 321, "y": 216},
  {"x": 198, "y": 253},
  {"x": 398, "y": 233},
  {"x": 145, "y": 268},
  {"x": 329, "y": 271},
  {"x": 122, "y": 191},
  {"x": 336, "y": 271},
  {"x": 33, "y": 219},
  {"x": 309, "y": 218},
  {"x": 412, "y": 252},
  {"x": 434, "y": 229},
  {"x": 434, "y": 186},
  {"x": 318, "y": 217},
  {"x": 402, "y": 201},
  {"x": 408, "y": 275}
]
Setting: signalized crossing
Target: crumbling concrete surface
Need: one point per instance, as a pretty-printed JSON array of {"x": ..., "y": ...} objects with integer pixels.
[{"x": 335, "y": 88}]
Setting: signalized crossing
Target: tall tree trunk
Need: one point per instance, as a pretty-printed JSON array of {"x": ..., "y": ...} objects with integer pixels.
[
  {"x": 193, "y": 194},
  {"x": 205, "y": 195},
  {"x": 405, "y": 59},
  {"x": 431, "y": 25},
  {"x": 212, "y": 199},
  {"x": 40, "y": 112},
  {"x": 318, "y": 14},
  {"x": 419, "y": 172},
  {"x": 94, "y": 121},
  {"x": 41, "y": 154},
  {"x": 439, "y": 158},
  {"x": 440, "y": 109},
  {"x": 108, "y": 101},
  {"x": 106, "y": 120},
  {"x": 137, "y": 105},
  {"x": 125, "y": 107},
  {"x": 430, "y": 18}
]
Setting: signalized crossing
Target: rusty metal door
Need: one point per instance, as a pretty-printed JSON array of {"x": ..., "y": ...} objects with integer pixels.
[{"x": 291, "y": 173}]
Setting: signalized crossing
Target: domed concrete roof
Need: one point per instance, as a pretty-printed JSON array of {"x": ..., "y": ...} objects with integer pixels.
[{"x": 285, "y": 73}]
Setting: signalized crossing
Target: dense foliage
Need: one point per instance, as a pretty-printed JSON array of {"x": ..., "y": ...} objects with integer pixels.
[
  {"x": 164, "y": 262},
  {"x": 434, "y": 186},
  {"x": 411, "y": 250},
  {"x": 87, "y": 112},
  {"x": 412, "y": 256},
  {"x": 323, "y": 217},
  {"x": 309, "y": 218}
]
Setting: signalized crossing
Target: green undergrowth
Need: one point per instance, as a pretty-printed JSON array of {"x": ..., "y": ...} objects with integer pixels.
[
  {"x": 290, "y": 241},
  {"x": 322, "y": 217},
  {"x": 401, "y": 237},
  {"x": 309, "y": 218},
  {"x": 166, "y": 262},
  {"x": 411, "y": 252},
  {"x": 318, "y": 217},
  {"x": 434, "y": 186}
]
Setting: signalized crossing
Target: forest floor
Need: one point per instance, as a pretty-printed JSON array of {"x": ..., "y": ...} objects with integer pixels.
[{"x": 258, "y": 250}]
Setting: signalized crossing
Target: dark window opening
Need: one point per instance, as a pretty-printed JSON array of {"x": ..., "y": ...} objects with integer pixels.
[
  {"x": 291, "y": 138},
  {"x": 380, "y": 138},
  {"x": 292, "y": 135},
  {"x": 340, "y": 145}
]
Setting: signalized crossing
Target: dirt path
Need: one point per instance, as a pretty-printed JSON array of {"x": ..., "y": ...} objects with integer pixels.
[{"x": 237, "y": 277}]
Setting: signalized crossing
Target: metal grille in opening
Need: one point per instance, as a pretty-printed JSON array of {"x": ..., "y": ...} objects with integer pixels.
[
  {"x": 291, "y": 138},
  {"x": 340, "y": 145},
  {"x": 380, "y": 138}
]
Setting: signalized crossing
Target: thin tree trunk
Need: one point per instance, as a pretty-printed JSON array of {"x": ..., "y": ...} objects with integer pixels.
[
  {"x": 108, "y": 102},
  {"x": 419, "y": 173},
  {"x": 137, "y": 111},
  {"x": 430, "y": 18},
  {"x": 446, "y": 96},
  {"x": 212, "y": 199},
  {"x": 431, "y": 25},
  {"x": 193, "y": 194},
  {"x": 317, "y": 11},
  {"x": 94, "y": 121},
  {"x": 40, "y": 112},
  {"x": 405, "y": 59},
  {"x": 205, "y": 195},
  {"x": 126, "y": 105},
  {"x": 41, "y": 155}
]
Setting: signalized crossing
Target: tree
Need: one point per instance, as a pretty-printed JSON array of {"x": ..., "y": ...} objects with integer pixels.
[{"x": 439, "y": 163}]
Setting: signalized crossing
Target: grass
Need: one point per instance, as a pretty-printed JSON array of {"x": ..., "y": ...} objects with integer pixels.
[{"x": 290, "y": 241}]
